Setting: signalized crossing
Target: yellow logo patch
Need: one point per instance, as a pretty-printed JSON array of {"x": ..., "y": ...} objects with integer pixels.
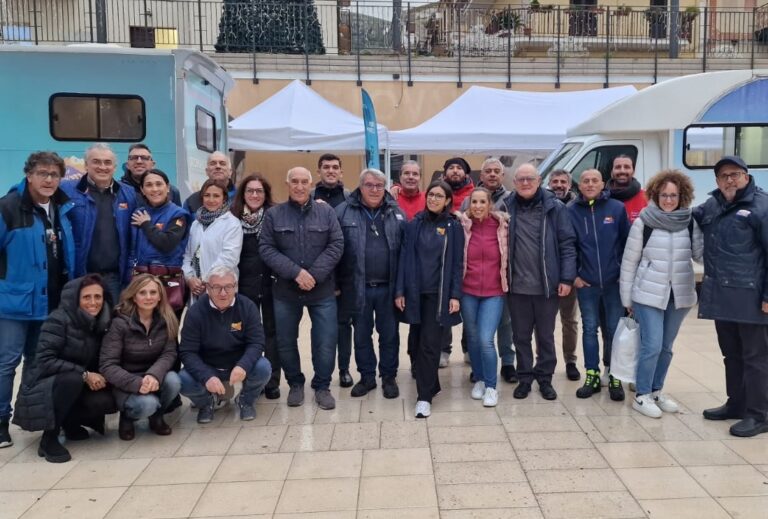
[
  {"x": 236, "y": 327},
  {"x": 160, "y": 225},
  {"x": 122, "y": 205}
]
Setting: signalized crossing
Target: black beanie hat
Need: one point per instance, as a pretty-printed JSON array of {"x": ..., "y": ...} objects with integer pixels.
[{"x": 461, "y": 162}]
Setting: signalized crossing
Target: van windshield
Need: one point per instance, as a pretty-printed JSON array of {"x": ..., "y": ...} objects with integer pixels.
[{"x": 559, "y": 158}]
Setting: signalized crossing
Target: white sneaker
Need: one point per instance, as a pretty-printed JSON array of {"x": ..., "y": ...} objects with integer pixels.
[
  {"x": 478, "y": 390},
  {"x": 491, "y": 397},
  {"x": 466, "y": 358},
  {"x": 665, "y": 403},
  {"x": 423, "y": 409},
  {"x": 645, "y": 404},
  {"x": 444, "y": 359}
]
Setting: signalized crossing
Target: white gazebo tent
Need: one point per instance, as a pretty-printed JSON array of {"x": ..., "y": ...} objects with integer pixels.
[
  {"x": 494, "y": 121},
  {"x": 299, "y": 119}
]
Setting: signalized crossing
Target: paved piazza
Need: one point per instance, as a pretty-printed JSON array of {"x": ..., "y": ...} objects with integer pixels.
[{"x": 370, "y": 459}]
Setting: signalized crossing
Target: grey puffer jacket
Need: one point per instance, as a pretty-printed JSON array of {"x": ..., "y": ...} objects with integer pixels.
[{"x": 650, "y": 274}]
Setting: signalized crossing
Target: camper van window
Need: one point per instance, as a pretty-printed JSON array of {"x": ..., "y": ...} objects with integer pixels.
[
  {"x": 95, "y": 117},
  {"x": 205, "y": 130},
  {"x": 704, "y": 145},
  {"x": 601, "y": 158},
  {"x": 559, "y": 158}
]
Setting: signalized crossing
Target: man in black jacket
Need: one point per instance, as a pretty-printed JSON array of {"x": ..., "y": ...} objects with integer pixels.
[
  {"x": 222, "y": 341},
  {"x": 217, "y": 167},
  {"x": 301, "y": 241},
  {"x": 372, "y": 224},
  {"x": 734, "y": 291}
]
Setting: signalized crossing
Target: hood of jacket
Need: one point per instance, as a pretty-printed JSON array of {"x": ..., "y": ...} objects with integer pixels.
[{"x": 70, "y": 303}]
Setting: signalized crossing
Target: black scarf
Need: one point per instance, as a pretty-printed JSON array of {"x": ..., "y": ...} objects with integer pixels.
[
  {"x": 623, "y": 194},
  {"x": 206, "y": 217}
]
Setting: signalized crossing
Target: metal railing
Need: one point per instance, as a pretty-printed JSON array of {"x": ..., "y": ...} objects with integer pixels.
[{"x": 371, "y": 27}]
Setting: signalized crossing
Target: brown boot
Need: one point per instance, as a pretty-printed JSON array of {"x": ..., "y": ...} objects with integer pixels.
[
  {"x": 158, "y": 425},
  {"x": 125, "y": 428}
]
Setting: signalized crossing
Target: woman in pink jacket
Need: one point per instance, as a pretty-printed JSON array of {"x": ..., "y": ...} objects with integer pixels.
[{"x": 484, "y": 288}]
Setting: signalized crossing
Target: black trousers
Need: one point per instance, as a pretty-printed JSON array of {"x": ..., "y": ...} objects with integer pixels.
[
  {"x": 267, "y": 309},
  {"x": 534, "y": 314},
  {"x": 426, "y": 351},
  {"x": 745, "y": 354},
  {"x": 75, "y": 404}
]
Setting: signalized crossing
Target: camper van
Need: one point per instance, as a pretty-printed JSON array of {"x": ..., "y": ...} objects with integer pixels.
[
  {"x": 686, "y": 123},
  {"x": 66, "y": 98}
]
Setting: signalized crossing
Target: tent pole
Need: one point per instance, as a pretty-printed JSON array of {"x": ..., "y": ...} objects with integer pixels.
[{"x": 387, "y": 158}]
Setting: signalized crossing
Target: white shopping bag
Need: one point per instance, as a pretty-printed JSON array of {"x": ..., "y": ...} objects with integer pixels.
[{"x": 626, "y": 343}]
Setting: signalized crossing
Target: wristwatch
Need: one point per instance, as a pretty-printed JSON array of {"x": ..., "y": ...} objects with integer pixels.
[{"x": 85, "y": 376}]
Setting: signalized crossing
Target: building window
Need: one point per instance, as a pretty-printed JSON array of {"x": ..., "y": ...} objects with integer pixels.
[
  {"x": 205, "y": 130},
  {"x": 96, "y": 117}
]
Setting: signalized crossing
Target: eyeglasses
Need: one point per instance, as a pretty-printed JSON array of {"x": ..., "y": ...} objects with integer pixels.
[
  {"x": 725, "y": 177},
  {"x": 671, "y": 196},
  {"x": 525, "y": 180},
  {"x": 254, "y": 191},
  {"x": 435, "y": 196},
  {"x": 45, "y": 175},
  {"x": 222, "y": 289},
  {"x": 373, "y": 187},
  {"x": 145, "y": 158}
]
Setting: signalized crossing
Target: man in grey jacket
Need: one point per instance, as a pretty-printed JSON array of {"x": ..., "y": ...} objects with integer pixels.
[{"x": 301, "y": 241}]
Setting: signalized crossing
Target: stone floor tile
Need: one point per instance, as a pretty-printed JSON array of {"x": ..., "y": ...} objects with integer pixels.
[
  {"x": 401, "y": 435},
  {"x": 668, "y": 428},
  {"x": 581, "y": 406},
  {"x": 346, "y": 411},
  {"x": 208, "y": 442},
  {"x": 104, "y": 473},
  {"x": 561, "y": 459},
  {"x": 75, "y": 503},
  {"x": 336, "y": 514},
  {"x": 157, "y": 502},
  {"x": 379, "y": 492},
  {"x": 703, "y": 452},
  {"x": 396, "y": 462},
  {"x": 531, "y": 409},
  {"x": 350, "y": 436},
  {"x": 307, "y": 438},
  {"x": 754, "y": 450},
  {"x": 253, "y": 467},
  {"x": 541, "y": 424},
  {"x": 99, "y": 447},
  {"x": 263, "y": 416},
  {"x": 635, "y": 455},
  {"x": 660, "y": 483},
  {"x": 33, "y": 476},
  {"x": 483, "y": 417},
  {"x": 258, "y": 440},
  {"x": 478, "y": 472},
  {"x": 460, "y": 434},
  {"x": 493, "y": 513},
  {"x": 382, "y": 410},
  {"x": 318, "y": 495},
  {"x": 573, "y": 480},
  {"x": 690, "y": 508},
  {"x": 485, "y": 495},
  {"x": 400, "y": 513},
  {"x": 302, "y": 415},
  {"x": 731, "y": 481},
  {"x": 588, "y": 505},
  {"x": 326, "y": 464},
  {"x": 238, "y": 498},
  {"x": 707, "y": 429},
  {"x": 154, "y": 446},
  {"x": 22, "y": 440},
  {"x": 13, "y": 504},
  {"x": 185, "y": 469},
  {"x": 550, "y": 440},
  {"x": 745, "y": 507},
  {"x": 586, "y": 425},
  {"x": 469, "y": 452},
  {"x": 620, "y": 429},
  {"x": 188, "y": 419}
]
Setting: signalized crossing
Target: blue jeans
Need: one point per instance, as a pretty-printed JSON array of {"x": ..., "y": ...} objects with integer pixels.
[
  {"x": 379, "y": 310},
  {"x": 504, "y": 337},
  {"x": 323, "y": 337},
  {"x": 658, "y": 329},
  {"x": 590, "y": 301},
  {"x": 17, "y": 338},
  {"x": 481, "y": 316},
  {"x": 253, "y": 385},
  {"x": 138, "y": 406}
]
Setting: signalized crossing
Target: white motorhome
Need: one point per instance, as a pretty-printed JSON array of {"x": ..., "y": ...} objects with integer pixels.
[{"x": 685, "y": 123}]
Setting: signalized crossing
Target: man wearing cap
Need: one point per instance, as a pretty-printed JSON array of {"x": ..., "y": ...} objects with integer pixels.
[
  {"x": 734, "y": 292},
  {"x": 456, "y": 174}
]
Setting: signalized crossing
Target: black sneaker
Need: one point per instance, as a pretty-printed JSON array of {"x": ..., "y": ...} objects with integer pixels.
[
  {"x": 389, "y": 387},
  {"x": 572, "y": 372},
  {"x": 362, "y": 387},
  {"x": 522, "y": 390},
  {"x": 272, "y": 393},
  {"x": 509, "y": 374},
  {"x": 472, "y": 378},
  {"x": 345, "y": 379},
  {"x": 205, "y": 413},
  {"x": 591, "y": 385},
  {"x": 615, "y": 389},
  {"x": 547, "y": 391},
  {"x": 51, "y": 449},
  {"x": 5, "y": 436}
]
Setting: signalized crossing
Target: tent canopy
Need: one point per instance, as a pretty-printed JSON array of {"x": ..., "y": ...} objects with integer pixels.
[
  {"x": 299, "y": 119},
  {"x": 493, "y": 120}
]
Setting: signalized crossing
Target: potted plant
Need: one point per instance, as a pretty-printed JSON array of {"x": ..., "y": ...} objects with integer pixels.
[
  {"x": 623, "y": 10},
  {"x": 686, "y": 21},
  {"x": 690, "y": 13},
  {"x": 534, "y": 6}
]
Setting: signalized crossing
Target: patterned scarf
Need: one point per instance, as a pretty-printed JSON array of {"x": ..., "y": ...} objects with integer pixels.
[
  {"x": 206, "y": 217},
  {"x": 252, "y": 221}
]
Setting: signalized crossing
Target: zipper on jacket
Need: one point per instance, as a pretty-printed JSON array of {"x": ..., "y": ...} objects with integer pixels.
[
  {"x": 597, "y": 248},
  {"x": 442, "y": 273},
  {"x": 544, "y": 256}
]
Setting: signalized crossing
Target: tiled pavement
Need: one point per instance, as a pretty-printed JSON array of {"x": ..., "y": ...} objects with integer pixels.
[{"x": 369, "y": 458}]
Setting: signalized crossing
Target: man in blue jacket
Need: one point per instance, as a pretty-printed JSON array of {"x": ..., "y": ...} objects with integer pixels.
[
  {"x": 601, "y": 226},
  {"x": 101, "y": 220},
  {"x": 372, "y": 224},
  {"x": 37, "y": 257},
  {"x": 542, "y": 267},
  {"x": 734, "y": 292}
]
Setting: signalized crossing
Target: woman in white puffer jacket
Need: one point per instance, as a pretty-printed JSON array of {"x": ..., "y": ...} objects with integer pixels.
[{"x": 657, "y": 282}]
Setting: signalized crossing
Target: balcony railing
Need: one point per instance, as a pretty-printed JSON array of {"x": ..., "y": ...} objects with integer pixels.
[{"x": 373, "y": 27}]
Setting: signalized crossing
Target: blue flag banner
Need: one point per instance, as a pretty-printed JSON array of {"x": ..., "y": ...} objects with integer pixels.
[{"x": 371, "y": 133}]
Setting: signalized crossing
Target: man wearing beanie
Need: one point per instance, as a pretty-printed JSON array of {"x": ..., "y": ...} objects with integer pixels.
[{"x": 456, "y": 174}]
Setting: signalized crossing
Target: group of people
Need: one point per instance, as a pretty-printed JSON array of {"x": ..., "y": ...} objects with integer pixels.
[{"x": 97, "y": 272}]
